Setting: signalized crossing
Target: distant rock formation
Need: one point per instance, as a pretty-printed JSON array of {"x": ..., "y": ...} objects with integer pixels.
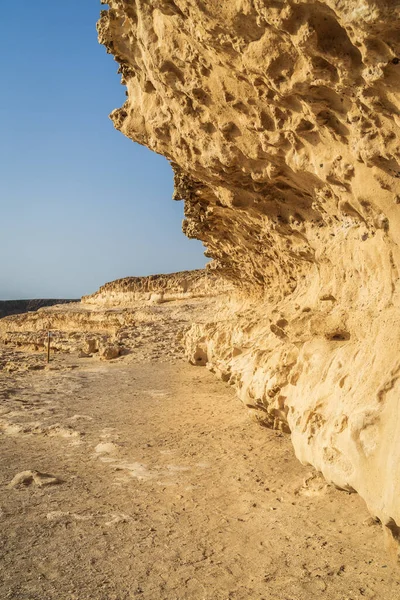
[
  {"x": 129, "y": 320},
  {"x": 281, "y": 120},
  {"x": 17, "y": 307},
  {"x": 159, "y": 288},
  {"x": 117, "y": 319}
]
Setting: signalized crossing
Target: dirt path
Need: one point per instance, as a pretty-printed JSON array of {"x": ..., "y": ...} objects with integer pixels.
[{"x": 168, "y": 491}]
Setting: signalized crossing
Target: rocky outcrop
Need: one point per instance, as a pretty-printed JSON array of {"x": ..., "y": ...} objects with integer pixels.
[
  {"x": 281, "y": 121},
  {"x": 139, "y": 318},
  {"x": 73, "y": 326},
  {"x": 157, "y": 289},
  {"x": 116, "y": 307}
]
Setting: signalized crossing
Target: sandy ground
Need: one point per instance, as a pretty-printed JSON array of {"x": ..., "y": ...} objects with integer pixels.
[{"x": 166, "y": 489}]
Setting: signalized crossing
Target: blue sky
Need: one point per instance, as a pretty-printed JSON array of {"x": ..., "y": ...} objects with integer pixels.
[{"x": 79, "y": 203}]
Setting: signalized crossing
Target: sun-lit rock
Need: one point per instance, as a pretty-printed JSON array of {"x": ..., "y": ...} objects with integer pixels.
[
  {"x": 109, "y": 351},
  {"x": 282, "y": 120}
]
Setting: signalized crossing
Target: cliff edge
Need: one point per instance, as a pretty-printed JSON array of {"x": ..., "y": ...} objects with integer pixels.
[{"x": 281, "y": 121}]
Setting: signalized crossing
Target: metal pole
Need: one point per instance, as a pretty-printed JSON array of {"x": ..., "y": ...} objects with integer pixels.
[{"x": 48, "y": 346}]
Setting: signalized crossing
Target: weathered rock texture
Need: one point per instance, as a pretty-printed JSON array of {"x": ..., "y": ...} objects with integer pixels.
[
  {"x": 144, "y": 318},
  {"x": 281, "y": 120},
  {"x": 157, "y": 289}
]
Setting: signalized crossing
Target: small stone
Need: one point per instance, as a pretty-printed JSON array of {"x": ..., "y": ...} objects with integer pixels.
[
  {"x": 29, "y": 477},
  {"x": 109, "y": 351},
  {"x": 90, "y": 346}
]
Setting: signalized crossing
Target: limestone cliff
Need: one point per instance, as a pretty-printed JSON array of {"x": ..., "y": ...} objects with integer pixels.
[
  {"x": 143, "y": 317},
  {"x": 281, "y": 120},
  {"x": 159, "y": 288}
]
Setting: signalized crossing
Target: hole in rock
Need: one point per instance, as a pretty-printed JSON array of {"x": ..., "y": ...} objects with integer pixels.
[{"x": 338, "y": 336}]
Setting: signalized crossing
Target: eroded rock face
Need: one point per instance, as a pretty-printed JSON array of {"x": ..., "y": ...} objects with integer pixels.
[
  {"x": 281, "y": 120},
  {"x": 157, "y": 289},
  {"x": 138, "y": 318}
]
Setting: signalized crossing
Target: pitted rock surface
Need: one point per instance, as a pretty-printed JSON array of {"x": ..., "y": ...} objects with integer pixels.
[{"x": 281, "y": 121}]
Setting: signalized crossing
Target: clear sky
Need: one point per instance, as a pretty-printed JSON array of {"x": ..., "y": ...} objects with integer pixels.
[{"x": 80, "y": 204}]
